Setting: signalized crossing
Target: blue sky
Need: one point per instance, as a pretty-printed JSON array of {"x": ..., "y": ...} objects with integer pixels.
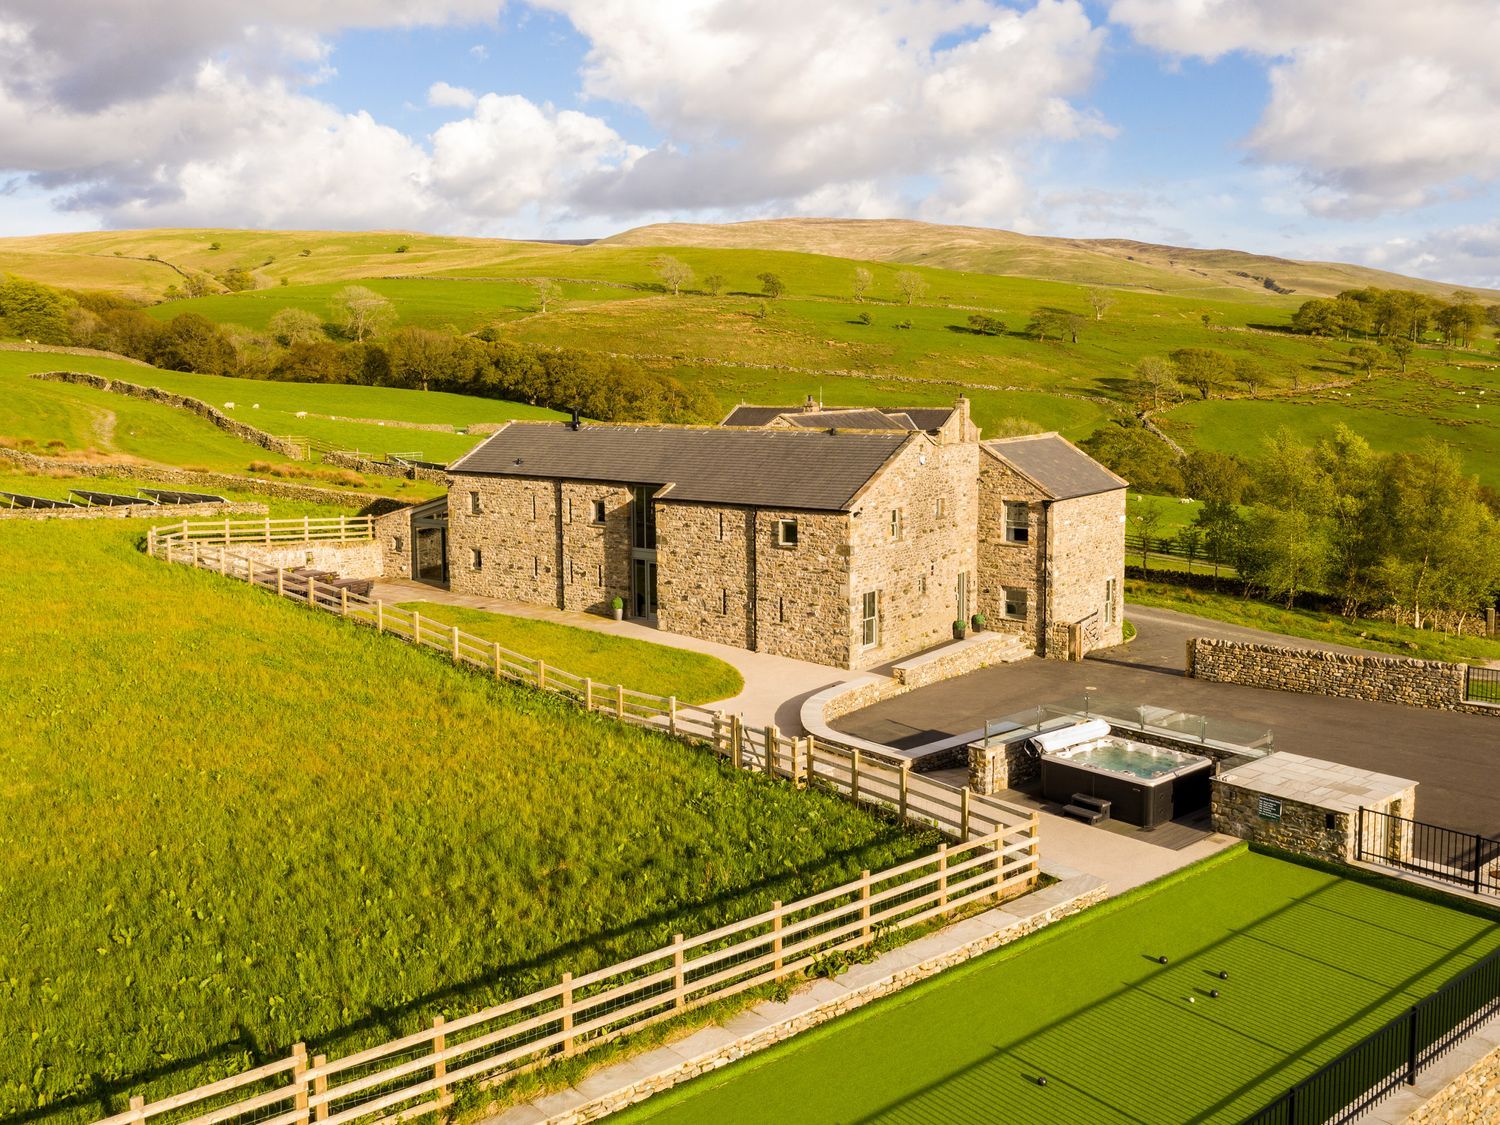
[{"x": 1370, "y": 135}]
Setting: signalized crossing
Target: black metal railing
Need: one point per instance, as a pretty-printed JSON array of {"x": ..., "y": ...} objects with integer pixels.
[
  {"x": 1394, "y": 1055},
  {"x": 1482, "y": 685},
  {"x": 1461, "y": 858}
]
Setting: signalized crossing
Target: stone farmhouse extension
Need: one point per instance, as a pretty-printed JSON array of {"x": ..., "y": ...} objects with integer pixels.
[{"x": 845, "y": 537}]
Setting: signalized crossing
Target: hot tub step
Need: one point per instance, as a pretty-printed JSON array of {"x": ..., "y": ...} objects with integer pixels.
[
  {"x": 1087, "y": 815},
  {"x": 1098, "y": 804}
]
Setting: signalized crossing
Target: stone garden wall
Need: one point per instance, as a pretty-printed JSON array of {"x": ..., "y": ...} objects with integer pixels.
[
  {"x": 1385, "y": 679},
  {"x": 1473, "y": 1098}
]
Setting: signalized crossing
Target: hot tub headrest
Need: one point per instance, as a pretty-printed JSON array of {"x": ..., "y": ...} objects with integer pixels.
[{"x": 1076, "y": 735}]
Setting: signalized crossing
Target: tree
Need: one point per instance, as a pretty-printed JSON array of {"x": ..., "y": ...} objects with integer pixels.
[
  {"x": 862, "y": 280},
  {"x": 237, "y": 279},
  {"x": 1136, "y": 454},
  {"x": 1155, "y": 382},
  {"x": 547, "y": 292},
  {"x": 1248, "y": 374},
  {"x": 1365, "y": 356},
  {"x": 361, "y": 312},
  {"x": 1046, "y": 322},
  {"x": 1223, "y": 533},
  {"x": 194, "y": 343},
  {"x": 771, "y": 285},
  {"x": 295, "y": 326},
  {"x": 1100, "y": 300},
  {"x": 1401, "y": 349},
  {"x": 910, "y": 285},
  {"x": 33, "y": 312},
  {"x": 1214, "y": 477},
  {"x": 673, "y": 272},
  {"x": 1147, "y": 522},
  {"x": 1203, "y": 369},
  {"x": 986, "y": 325},
  {"x": 198, "y": 285},
  {"x": 713, "y": 283},
  {"x": 421, "y": 358},
  {"x": 1286, "y": 553}
]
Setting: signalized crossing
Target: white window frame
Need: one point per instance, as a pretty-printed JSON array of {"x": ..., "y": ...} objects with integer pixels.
[
  {"x": 869, "y": 619},
  {"x": 1017, "y": 532},
  {"x": 1111, "y": 596},
  {"x": 896, "y": 521},
  {"x": 783, "y": 526},
  {"x": 1006, "y": 598}
]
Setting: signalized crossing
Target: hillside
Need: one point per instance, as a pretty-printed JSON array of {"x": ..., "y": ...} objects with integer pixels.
[{"x": 1121, "y": 262}]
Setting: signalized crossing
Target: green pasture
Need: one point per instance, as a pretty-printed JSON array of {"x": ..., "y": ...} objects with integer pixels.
[
  {"x": 692, "y": 677},
  {"x": 229, "y": 824},
  {"x": 1315, "y": 963}
]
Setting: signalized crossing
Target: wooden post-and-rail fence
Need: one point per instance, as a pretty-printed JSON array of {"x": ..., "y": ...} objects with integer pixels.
[{"x": 995, "y": 857}]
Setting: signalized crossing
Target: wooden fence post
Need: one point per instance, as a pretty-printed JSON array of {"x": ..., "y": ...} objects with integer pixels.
[
  {"x": 718, "y": 732},
  {"x": 455, "y": 644},
  {"x": 541, "y": 674},
  {"x": 439, "y": 1066},
  {"x": 854, "y": 775},
  {"x": 736, "y": 742},
  {"x": 379, "y": 616},
  {"x": 864, "y": 903},
  {"x": 773, "y": 736},
  {"x": 343, "y": 601},
  {"x": 416, "y": 628},
  {"x": 312, "y": 590},
  {"x": 588, "y": 693},
  {"x": 679, "y": 976},
  {"x": 905, "y": 781},
  {"x": 250, "y": 569},
  {"x": 320, "y": 1086},
  {"x": 942, "y": 875},
  {"x": 138, "y": 1107},
  {"x": 195, "y": 552},
  {"x": 776, "y": 934},
  {"x": 281, "y": 581},
  {"x": 223, "y": 560},
  {"x": 306, "y": 529},
  {"x": 151, "y": 541},
  {"x": 812, "y": 763},
  {"x": 963, "y": 815},
  {"x": 268, "y": 529},
  {"x": 567, "y": 1013},
  {"x": 299, "y": 1068},
  {"x": 671, "y": 714},
  {"x": 620, "y": 701}
]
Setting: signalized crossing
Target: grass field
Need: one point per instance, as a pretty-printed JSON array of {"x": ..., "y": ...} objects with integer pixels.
[
  {"x": 692, "y": 677},
  {"x": 1315, "y": 962},
  {"x": 228, "y": 824},
  {"x": 279, "y": 405},
  {"x": 1382, "y": 636}
]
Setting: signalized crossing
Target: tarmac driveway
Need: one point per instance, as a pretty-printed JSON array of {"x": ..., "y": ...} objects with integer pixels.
[{"x": 1455, "y": 757}]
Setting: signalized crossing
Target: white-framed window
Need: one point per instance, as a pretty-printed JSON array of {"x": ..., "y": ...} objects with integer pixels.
[
  {"x": 476, "y": 559},
  {"x": 869, "y": 619},
  {"x": 1013, "y": 602},
  {"x": 1017, "y": 521},
  {"x": 474, "y": 505},
  {"x": 895, "y": 527},
  {"x": 786, "y": 533},
  {"x": 1111, "y": 595},
  {"x": 598, "y": 509}
]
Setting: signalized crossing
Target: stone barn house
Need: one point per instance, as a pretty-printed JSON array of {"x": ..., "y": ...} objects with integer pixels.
[{"x": 845, "y": 537}]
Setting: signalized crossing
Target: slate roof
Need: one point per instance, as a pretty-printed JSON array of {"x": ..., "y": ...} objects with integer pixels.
[
  {"x": 810, "y": 470},
  {"x": 1058, "y": 466},
  {"x": 916, "y": 417}
]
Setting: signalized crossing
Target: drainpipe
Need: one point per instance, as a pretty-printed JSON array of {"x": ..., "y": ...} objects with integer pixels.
[{"x": 752, "y": 613}]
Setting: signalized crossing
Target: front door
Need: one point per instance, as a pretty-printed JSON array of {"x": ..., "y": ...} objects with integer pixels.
[{"x": 643, "y": 588}]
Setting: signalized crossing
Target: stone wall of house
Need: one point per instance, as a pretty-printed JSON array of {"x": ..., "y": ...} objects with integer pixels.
[
  {"x": 142, "y": 511},
  {"x": 1088, "y": 551},
  {"x": 1472, "y": 1098},
  {"x": 517, "y": 532},
  {"x": 1002, "y": 563},
  {"x": 1051, "y": 905},
  {"x": 704, "y": 579},
  {"x": 1388, "y": 679},
  {"x": 915, "y": 572},
  {"x": 1304, "y": 826},
  {"x": 801, "y": 593},
  {"x": 180, "y": 402},
  {"x": 193, "y": 480},
  {"x": 393, "y": 537},
  {"x": 595, "y": 557}
]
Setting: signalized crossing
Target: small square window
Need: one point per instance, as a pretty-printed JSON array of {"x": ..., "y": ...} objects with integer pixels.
[
  {"x": 476, "y": 558},
  {"x": 396, "y": 543},
  {"x": 474, "y": 508},
  {"x": 786, "y": 533},
  {"x": 1014, "y": 602},
  {"x": 598, "y": 511},
  {"x": 1017, "y": 522}
]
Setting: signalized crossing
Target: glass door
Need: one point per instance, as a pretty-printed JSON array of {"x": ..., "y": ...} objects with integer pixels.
[{"x": 643, "y": 588}]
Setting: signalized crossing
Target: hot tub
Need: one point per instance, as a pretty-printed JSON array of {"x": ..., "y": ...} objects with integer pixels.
[{"x": 1145, "y": 785}]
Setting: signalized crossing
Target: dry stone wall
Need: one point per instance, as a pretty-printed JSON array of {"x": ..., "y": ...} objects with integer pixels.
[
  {"x": 361, "y": 464},
  {"x": 180, "y": 402},
  {"x": 360, "y": 559},
  {"x": 1387, "y": 679},
  {"x": 1473, "y": 1098}
]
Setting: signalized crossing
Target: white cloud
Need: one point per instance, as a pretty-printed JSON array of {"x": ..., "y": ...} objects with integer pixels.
[
  {"x": 1466, "y": 255},
  {"x": 442, "y": 94},
  {"x": 1382, "y": 105}
]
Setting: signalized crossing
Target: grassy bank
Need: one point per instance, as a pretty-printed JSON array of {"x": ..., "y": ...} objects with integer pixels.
[
  {"x": 640, "y": 665},
  {"x": 1379, "y": 636},
  {"x": 228, "y": 824}
]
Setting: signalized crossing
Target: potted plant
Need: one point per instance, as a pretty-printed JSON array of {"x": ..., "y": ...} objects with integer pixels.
[
  {"x": 618, "y": 605},
  {"x": 960, "y": 627},
  {"x": 978, "y": 622}
]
